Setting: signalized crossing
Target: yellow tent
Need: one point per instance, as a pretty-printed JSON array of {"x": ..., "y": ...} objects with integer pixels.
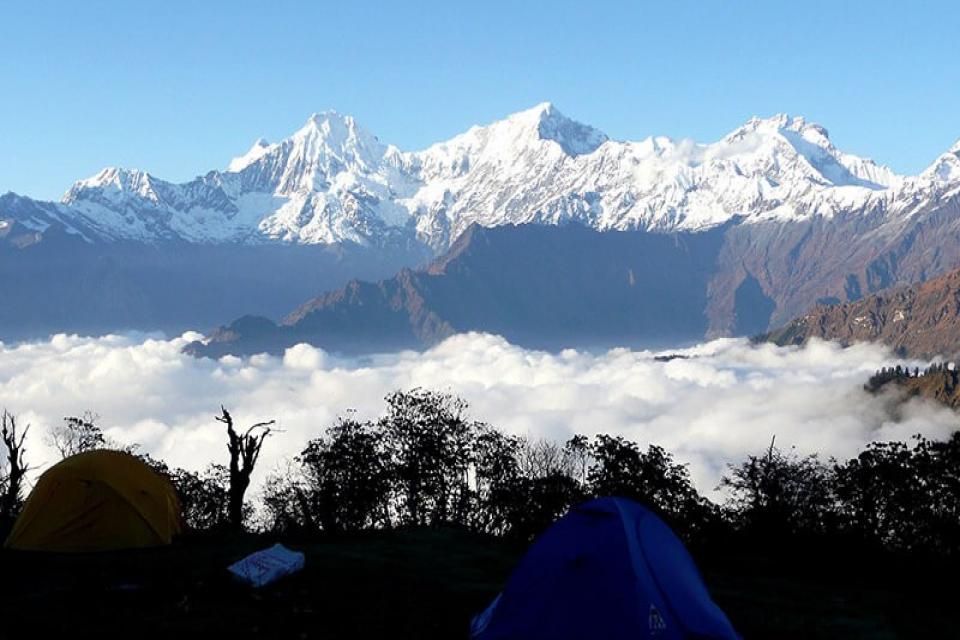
[{"x": 98, "y": 501}]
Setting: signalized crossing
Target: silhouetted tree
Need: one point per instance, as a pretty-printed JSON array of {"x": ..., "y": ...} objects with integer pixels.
[
  {"x": 244, "y": 452},
  {"x": 577, "y": 455},
  {"x": 204, "y": 498},
  {"x": 77, "y": 434},
  {"x": 424, "y": 463},
  {"x": 619, "y": 467},
  {"x": 545, "y": 485},
  {"x": 939, "y": 464},
  {"x": 285, "y": 502},
  {"x": 778, "y": 494},
  {"x": 430, "y": 443},
  {"x": 542, "y": 458},
  {"x": 348, "y": 478},
  {"x": 539, "y": 501},
  {"x": 904, "y": 497},
  {"x": 878, "y": 491},
  {"x": 13, "y": 470},
  {"x": 498, "y": 480}
]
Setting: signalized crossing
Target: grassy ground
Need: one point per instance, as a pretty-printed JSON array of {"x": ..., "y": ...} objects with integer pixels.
[
  {"x": 413, "y": 584},
  {"x": 807, "y": 597}
]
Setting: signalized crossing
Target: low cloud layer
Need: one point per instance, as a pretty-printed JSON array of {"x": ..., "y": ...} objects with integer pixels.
[{"x": 726, "y": 400}]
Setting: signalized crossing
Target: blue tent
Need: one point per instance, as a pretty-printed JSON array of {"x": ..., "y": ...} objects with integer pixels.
[{"x": 609, "y": 569}]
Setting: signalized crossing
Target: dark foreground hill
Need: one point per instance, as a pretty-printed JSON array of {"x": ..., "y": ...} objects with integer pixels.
[
  {"x": 921, "y": 320},
  {"x": 426, "y": 584}
]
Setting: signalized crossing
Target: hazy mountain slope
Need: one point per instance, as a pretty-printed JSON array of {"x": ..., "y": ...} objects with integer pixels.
[
  {"x": 59, "y": 283},
  {"x": 542, "y": 287}
]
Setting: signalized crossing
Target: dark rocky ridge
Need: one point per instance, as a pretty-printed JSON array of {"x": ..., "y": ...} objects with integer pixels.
[{"x": 841, "y": 259}]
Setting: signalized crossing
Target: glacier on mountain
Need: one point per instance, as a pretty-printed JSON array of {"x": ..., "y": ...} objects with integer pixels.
[{"x": 332, "y": 181}]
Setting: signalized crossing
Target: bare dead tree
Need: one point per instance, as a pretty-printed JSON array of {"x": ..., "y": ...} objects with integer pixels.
[
  {"x": 16, "y": 467},
  {"x": 244, "y": 452}
]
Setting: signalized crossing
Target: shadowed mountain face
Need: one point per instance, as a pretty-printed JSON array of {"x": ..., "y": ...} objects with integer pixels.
[
  {"x": 921, "y": 320},
  {"x": 542, "y": 287},
  {"x": 752, "y": 307},
  {"x": 56, "y": 282},
  {"x": 840, "y": 259}
]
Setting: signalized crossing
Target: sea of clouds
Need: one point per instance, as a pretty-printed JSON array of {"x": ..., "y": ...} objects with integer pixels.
[{"x": 726, "y": 399}]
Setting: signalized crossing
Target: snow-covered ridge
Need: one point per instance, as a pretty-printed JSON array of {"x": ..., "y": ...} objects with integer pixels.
[
  {"x": 946, "y": 168},
  {"x": 332, "y": 181},
  {"x": 257, "y": 151}
]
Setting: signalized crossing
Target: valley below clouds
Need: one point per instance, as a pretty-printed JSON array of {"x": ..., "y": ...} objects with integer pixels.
[{"x": 723, "y": 400}]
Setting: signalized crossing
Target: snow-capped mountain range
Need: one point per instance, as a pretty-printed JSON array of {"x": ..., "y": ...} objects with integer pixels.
[{"x": 332, "y": 182}]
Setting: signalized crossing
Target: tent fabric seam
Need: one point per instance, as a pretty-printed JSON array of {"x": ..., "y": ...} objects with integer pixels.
[{"x": 636, "y": 554}]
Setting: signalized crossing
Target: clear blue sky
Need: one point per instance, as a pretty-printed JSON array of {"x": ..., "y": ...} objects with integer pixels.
[{"x": 179, "y": 88}]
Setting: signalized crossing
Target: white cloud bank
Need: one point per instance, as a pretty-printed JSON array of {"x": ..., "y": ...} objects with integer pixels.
[{"x": 725, "y": 401}]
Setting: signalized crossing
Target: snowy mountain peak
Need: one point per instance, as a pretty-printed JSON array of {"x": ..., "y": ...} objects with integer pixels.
[
  {"x": 118, "y": 176},
  {"x": 114, "y": 180},
  {"x": 328, "y": 146},
  {"x": 336, "y": 132},
  {"x": 257, "y": 151},
  {"x": 794, "y": 144},
  {"x": 329, "y": 136},
  {"x": 946, "y": 168},
  {"x": 528, "y": 118},
  {"x": 549, "y": 123},
  {"x": 573, "y": 137},
  {"x": 783, "y": 123},
  {"x": 329, "y": 124},
  {"x": 331, "y": 181}
]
